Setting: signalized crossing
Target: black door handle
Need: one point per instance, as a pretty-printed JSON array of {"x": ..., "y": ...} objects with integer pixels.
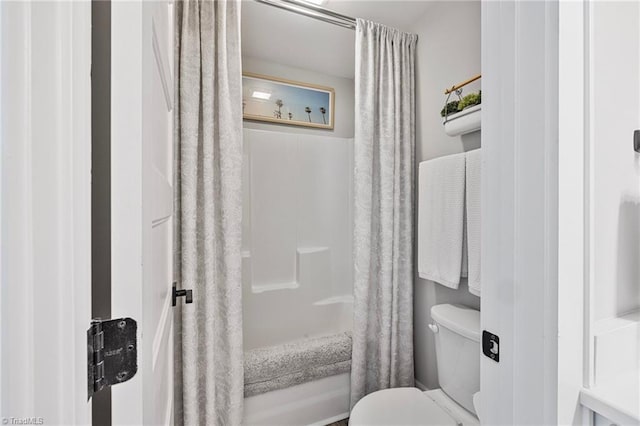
[{"x": 187, "y": 294}]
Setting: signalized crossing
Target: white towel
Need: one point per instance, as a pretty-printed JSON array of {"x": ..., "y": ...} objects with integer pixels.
[
  {"x": 474, "y": 166},
  {"x": 464, "y": 273},
  {"x": 440, "y": 219}
]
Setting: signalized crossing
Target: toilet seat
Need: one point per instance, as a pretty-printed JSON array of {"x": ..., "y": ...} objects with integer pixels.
[{"x": 409, "y": 406}]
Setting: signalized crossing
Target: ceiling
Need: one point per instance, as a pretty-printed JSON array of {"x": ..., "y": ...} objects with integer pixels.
[{"x": 290, "y": 39}]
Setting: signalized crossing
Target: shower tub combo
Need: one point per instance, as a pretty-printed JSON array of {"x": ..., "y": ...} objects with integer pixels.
[{"x": 297, "y": 277}]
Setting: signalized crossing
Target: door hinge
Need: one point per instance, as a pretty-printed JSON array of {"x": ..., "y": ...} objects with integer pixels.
[{"x": 112, "y": 353}]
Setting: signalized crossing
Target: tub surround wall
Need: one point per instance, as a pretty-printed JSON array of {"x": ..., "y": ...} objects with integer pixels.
[
  {"x": 297, "y": 236},
  {"x": 448, "y": 53},
  {"x": 613, "y": 235},
  {"x": 615, "y": 168}
]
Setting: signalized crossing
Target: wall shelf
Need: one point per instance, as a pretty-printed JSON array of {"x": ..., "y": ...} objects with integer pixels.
[{"x": 463, "y": 122}]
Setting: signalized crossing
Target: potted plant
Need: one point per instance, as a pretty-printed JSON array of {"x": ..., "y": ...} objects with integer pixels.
[
  {"x": 470, "y": 100},
  {"x": 462, "y": 116}
]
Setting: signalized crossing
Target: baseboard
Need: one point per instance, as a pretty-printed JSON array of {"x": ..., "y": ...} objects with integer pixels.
[{"x": 421, "y": 386}]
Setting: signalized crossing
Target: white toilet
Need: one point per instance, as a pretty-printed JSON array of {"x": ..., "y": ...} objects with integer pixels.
[{"x": 457, "y": 332}]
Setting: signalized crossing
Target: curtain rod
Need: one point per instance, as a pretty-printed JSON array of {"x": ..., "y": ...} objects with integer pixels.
[{"x": 310, "y": 10}]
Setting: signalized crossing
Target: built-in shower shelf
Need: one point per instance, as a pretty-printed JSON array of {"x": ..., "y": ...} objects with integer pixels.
[
  {"x": 463, "y": 122},
  {"x": 346, "y": 298},
  {"x": 262, "y": 288},
  {"x": 311, "y": 250},
  {"x": 312, "y": 263}
]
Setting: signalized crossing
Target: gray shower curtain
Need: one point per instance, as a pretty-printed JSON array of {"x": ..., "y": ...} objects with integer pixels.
[
  {"x": 208, "y": 122},
  {"x": 384, "y": 191}
]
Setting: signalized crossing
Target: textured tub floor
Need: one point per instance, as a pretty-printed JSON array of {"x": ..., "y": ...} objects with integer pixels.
[{"x": 344, "y": 422}]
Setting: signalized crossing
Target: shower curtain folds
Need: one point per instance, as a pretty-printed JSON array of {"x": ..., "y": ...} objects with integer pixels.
[
  {"x": 209, "y": 353},
  {"x": 384, "y": 202}
]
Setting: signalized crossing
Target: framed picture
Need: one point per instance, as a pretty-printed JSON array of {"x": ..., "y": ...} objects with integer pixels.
[{"x": 276, "y": 100}]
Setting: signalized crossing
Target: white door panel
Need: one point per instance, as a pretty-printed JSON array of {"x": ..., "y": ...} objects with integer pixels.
[{"x": 142, "y": 202}]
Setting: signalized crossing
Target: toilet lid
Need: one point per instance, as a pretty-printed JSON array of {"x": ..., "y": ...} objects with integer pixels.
[{"x": 400, "y": 406}]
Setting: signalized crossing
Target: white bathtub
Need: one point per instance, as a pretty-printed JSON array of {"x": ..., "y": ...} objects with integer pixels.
[{"x": 319, "y": 402}]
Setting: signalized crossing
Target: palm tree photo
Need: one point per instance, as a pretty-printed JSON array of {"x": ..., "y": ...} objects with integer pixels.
[
  {"x": 308, "y": 111},
  {"x": 279, "y": 104},
  {"x": 323, "y": 111}
]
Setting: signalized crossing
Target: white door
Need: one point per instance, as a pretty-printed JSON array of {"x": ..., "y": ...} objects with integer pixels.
[
  {"x": 45, "y": 210},
  {"x": 142, "y": 202},
  {"x": 520, "y": 211}
]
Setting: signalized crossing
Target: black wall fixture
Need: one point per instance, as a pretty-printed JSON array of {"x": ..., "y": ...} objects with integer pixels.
[{"x": 491, "y": 345}]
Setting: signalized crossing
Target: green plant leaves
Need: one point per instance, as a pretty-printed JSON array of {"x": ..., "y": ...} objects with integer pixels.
[
  {"x": 470, "y": 100},
  {"x": 450, "y": 108}
]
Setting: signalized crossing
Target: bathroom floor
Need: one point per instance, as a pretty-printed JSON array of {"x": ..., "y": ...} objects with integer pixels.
[{"x": 344, "y": 422}]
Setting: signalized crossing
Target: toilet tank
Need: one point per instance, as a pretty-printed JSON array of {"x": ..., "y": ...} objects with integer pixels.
[{"x": 457, "y": 334}]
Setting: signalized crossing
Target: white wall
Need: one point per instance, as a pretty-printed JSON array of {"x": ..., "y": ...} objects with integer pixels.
[
  {"x": 448, "y": 53},
  {"x": 344, "y": 106}
]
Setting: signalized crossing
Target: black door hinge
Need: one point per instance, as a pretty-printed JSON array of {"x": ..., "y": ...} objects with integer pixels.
[{"x": 112, "y": 353}]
